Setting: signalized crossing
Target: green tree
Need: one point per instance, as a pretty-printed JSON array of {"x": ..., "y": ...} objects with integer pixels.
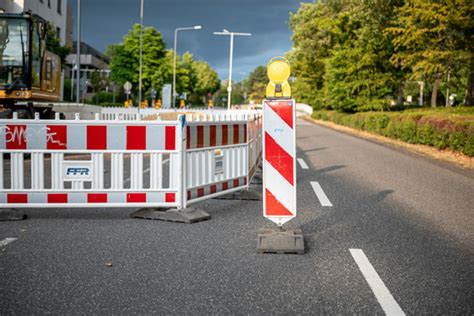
[
  {"x": 359, "y": 75},
  {"x": 207, "y": 81},
  {"x": 256, "y": 83},
  {"x": 125, "y": 61},
  {"x": 433, "y": 38},
  {"x": 53, "y": 44},
  {"x": 195, "y": 78},
  {"x": 313, "y": 38},
  {"x": 340, "y": 55}
]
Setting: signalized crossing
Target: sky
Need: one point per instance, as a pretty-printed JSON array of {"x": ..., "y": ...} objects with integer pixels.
[{"x": 105, "y": 22}]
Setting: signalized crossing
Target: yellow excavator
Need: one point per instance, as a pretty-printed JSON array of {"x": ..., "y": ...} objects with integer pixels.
[{"x": 28, "y": 72}]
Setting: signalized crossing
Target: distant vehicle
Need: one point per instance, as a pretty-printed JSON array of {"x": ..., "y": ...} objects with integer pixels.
[{"x": 28, "y": 72}]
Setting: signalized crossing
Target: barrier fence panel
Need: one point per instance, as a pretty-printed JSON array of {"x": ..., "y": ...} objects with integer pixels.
[
  {"x": 216, "y": 157},
  {"x": 255, "y": 143},
  {"x": 68, "y": 158},
  {"x": 127, "y": 163}
]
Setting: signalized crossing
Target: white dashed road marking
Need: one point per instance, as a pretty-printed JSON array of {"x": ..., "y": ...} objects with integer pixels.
[
  {"x": 302, "y": 163},
  {"x": 6, "y": 241},
  {"x": 323, "y": 199},
  {"x": 383, "y": 295}
]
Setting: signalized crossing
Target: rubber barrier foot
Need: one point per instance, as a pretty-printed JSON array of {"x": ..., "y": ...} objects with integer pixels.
[
  {"x": 187, "y": 215},
  {"x": 12, "y": 215},
  {"x": 279, "y": 241},
  {"x": 250, "y": 195}
]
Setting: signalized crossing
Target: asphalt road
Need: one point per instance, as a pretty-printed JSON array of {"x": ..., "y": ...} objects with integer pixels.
[{"x": 410, "y": 217}]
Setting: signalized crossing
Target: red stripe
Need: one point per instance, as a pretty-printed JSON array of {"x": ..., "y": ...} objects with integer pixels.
[
  {"x": 213, "y": 188},
  {"x": 200, "y": 192},
  {"x": 17, "y": 198},
  {"x": 189, "y": 195},
  {"x": 225, "y": 135},
  {"x": 97, "y": 198},
  {"x": 236, "y": 133},
  {"x": 212, "y": 134},
  {"x": 273, "y": 207},
  {"x": 96, "y": 137},
  {"x": 136, "y": 198},
  {"x": 200, "y": 136},
  {"x": 279, "y": 158},
  {"x": 56, "y": 137},
  {"x": 136, "y": 137},
  {"x": 236, "y": 183},
  {"x": 170, "y": 197},
  {"x": 170, "y": 137},
  {"x": 57, "y": 198},
  {"x": 188, "y": 137},
  {"x": 284, "y": 109},
  {"x": 15, "y": 136},
  {"x": 225, "y": 186}
]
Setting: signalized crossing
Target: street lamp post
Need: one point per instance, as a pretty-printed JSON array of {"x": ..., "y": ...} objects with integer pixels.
[
  {"x": 197, "y": 27},
  {"x": 141, "y": 54},
  {"x": 78, "y": 53},
  {"x": 231, "y": 34}
]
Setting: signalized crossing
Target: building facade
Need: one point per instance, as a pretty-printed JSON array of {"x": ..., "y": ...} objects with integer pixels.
[{"x": 53, "y": 11}]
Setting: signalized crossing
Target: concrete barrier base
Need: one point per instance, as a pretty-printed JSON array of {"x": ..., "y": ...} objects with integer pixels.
[
  {"x": 187, "y": 215},
  {"x": 280, "y": 241},
  {"x": 12, "y": 215}
]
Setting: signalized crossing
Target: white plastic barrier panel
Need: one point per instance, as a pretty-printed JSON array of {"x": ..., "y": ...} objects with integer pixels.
[
  {"x": 216, "y": 157},
  {"x": 134, "y": 163},
  {"x": 81, "y": 163},
  {"x": 255, "y": 143},
  {"x": 279, "y": 161}
]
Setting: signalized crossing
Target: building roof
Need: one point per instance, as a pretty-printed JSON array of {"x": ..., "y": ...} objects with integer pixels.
[{"x": 86, "y": 49}]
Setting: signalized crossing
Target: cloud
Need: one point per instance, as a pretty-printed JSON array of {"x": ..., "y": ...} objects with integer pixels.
[{"x": 106, "y": 21}]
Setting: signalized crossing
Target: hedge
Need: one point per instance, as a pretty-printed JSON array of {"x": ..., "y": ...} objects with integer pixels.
[{"x": 448, "y": 129}]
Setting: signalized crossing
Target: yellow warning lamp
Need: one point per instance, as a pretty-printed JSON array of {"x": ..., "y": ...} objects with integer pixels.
[
  {"x": 158, "y": 104},
  {"x": 278, "y": 71}
]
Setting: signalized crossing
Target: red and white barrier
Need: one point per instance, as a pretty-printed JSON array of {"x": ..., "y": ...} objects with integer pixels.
[
  {"x": 279, "y": 161},
  {"x": 78, "y": 163}
]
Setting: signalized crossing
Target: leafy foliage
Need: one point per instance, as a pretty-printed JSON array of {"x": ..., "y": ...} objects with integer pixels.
[
  {"x": 359, "y": 55},
  {"x": 53, "y": 44},
  {"x": 255, "y": 84},
  {"x": 196, "y": 78},
  {"x": 442, "y": 129}
]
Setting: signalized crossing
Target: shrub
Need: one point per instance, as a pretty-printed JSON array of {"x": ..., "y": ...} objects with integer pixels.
[{"x": 451, "y": 128}]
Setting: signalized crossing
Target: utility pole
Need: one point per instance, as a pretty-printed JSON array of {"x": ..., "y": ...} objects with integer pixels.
[
  {"x": 447, "y": 90},
  {"x": 141, "y": 55},
  {"x": 78, "y": 53}
]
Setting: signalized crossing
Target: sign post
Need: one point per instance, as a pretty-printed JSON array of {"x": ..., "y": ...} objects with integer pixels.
[
  {"x": 279, "y": 163},
  {"x": 127, "y": 88}
]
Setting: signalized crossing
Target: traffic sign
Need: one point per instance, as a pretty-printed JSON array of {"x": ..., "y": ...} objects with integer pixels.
[
  {"x": 279, "y": 160},
  {"x": 166, "y": 96},
  {"x": 153, "y": 93},
  {"x": 127, "y": 86}
]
